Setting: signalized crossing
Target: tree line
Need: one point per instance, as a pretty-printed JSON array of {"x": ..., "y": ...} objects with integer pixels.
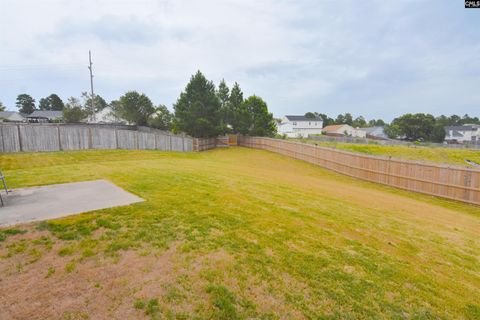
[
  {"x": 202, "y": 110},
  {"x": 412, "y": 127}
]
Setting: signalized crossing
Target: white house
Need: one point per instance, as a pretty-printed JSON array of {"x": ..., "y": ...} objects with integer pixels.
[
  {"x": 341, "y": 130},
  {"x": 299, "y": 126},
  {"x": 461, "y": 134},
  {"x": 106, "y": 115},
  {"x": 11, "y": 116}
]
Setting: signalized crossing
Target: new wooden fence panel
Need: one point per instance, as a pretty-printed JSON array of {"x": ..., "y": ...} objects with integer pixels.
[
  {"x": 74, "y": 137},
  {"x": 39, "y": 138},
  {"x": 435, "y": 179}
]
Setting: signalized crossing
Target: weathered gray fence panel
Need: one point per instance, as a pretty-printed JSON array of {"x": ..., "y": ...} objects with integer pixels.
[
  {"x": 74, "y": 138},
  {"x": 188, "y": 144},
  {"x": 103, "y": 138},
  {"x": 177, "y": 143},
  {"x": 56, "y": 137},
  {"x": 127, "y": 139},
  {"x": 163, "y": 142},
  {"x": 146, "y": 141},
  {"x": 39, "y": 138},
  {"x": 10, "y": 140}
]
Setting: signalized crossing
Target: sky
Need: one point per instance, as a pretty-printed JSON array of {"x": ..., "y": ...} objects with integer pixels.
[{"x": 379, "y": 59}]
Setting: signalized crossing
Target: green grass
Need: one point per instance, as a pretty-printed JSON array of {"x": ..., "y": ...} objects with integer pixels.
[
  {"x": 413, "y": 152},
  {"x": 251, "y": 234}
]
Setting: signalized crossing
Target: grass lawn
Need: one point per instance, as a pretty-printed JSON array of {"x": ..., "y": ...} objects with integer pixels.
[
  {"x": 234, "y": 234},
  {"x": 419, "y": 153}
]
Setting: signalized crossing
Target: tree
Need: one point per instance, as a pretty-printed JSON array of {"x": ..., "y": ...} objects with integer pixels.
[
  {"x": 259, "y": 122},
  {"x": 25, "y": 103},
  {"x": 73, "y": 111},
  {"x": 310, "y": 115},
  {"x": 325, "y": 119},
  {"x": 392, "y": 131},
  {"x": 438, "y": 133},
  {"x": 98, "y": 102},
  {"x": 415, "y": 127},
  {"x": 2, "y": 107},
  {"x": 198, "y": 109},
  {"x": 52, "y": 102},
  {"x": 161, "y": 119},
  {"x": 376, "y": 123},
  {"x": 466, "y": 119},
  {"x": 223, "y": 95},
  {"x": 359, "y": 122},
  {"x": 234, "y": 107},
  {"x": 135, "y": 108},
  {"x": 344, "y": 119}
]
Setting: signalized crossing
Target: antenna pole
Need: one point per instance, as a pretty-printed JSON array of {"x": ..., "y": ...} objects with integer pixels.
[{"x": 92, "y": 98}]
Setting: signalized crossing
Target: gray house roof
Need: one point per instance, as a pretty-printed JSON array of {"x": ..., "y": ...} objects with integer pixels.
[
  {"x": 50, "y": 115},
  {"x": 462, "y": 128},
  {"x": 375, "y": 132},
  {"x": 369, "y": 130},
  {"x": 302, "y": 118},
  {"x": 11, "y": 115}
]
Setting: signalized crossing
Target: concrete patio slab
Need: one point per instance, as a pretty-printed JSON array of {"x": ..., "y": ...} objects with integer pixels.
[{"x": 59, "y": 200}]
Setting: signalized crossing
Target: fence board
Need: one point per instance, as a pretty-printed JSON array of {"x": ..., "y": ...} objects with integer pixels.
[
  {"x": 39, "y": 138},
  {"x": 10, "y": 138},
  {"x": 450, "y": 182},
  {"x": 74, "y": 138},
  {"x": 146, "y": 141},
  {"x": 127, "y": 139},
  {"x": 102, "y": 138}
]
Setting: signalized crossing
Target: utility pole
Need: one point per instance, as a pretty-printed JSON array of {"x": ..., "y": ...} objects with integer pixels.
[{"x": 92, "y": 98}]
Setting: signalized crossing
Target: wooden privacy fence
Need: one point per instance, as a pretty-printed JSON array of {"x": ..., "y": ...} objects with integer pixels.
[
  {"x": 450, "y": 182},
  {"x": 38, "y": 137}
]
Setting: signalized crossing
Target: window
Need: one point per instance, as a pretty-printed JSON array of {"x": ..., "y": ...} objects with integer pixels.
[
  {"x": 309, "y": 123},
  {"x": 294, "y": 123}
]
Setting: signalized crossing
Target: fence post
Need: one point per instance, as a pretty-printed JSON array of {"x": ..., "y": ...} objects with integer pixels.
[
  {"x": 90, "y": 139},
  {"x": 116, "y": 137},
  {"x": 19, "y": 138},
  {"x": 59, "y": 138}
]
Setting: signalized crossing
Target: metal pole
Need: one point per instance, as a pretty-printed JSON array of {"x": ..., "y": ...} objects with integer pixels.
[{"x": 91, "y": 85}]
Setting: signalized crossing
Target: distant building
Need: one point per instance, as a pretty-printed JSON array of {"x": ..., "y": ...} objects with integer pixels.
[
  {"x": 106, "y": 115},
  {"x": 461, "y": 134},
  {"x": 11, "y": 116},
  {"x": 375, "y": 133},
  {"x": 299, "y": 126},
  {"x": 342, "y": 130},
  {"x": 41, "y": 116}
]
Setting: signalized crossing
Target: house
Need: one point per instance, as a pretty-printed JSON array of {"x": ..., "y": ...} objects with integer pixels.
[
  {"x": 106, "y": 115},
  {"x": 41, "y": 116},
  {"x": 461, "y": 134},
  {"x": 342, "y": 130},
  {"x": 299, "y": 126},
  {"x": 11, "y": 116},
  {"x": 375, "y": 133}
]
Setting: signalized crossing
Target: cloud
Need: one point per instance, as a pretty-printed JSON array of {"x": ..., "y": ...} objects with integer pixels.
[{"x": 370, "y": 57}]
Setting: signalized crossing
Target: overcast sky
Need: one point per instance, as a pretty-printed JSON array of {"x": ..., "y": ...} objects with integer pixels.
[{"x": 379, "y": 59}]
